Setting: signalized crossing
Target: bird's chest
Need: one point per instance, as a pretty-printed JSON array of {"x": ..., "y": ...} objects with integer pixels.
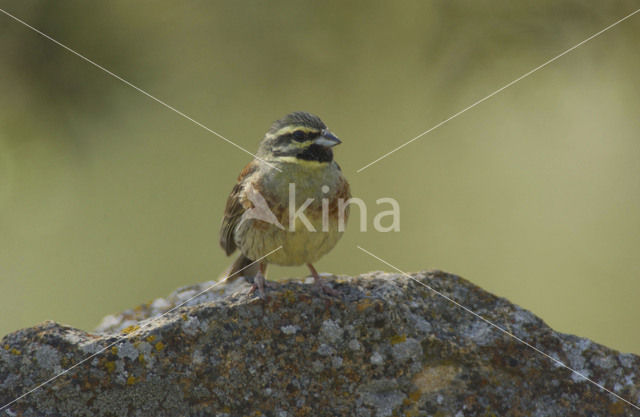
[
  {"x": 300, "y": 185},
  {"x": 305, "y": 206}
]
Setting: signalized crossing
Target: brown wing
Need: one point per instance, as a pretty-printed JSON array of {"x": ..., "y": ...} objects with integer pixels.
[{"x": 233, "y": 210}]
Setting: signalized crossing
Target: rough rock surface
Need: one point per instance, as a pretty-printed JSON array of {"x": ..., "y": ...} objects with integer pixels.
[{"x": 386, "y": 346}]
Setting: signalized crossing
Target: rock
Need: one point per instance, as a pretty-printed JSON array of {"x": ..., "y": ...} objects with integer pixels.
[{"x": 387, "y": 346}]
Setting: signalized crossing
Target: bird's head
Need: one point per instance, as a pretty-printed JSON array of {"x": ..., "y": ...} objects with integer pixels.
[{"x": 298, "y": 137}]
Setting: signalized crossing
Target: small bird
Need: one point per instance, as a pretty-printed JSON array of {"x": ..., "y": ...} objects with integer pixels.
[{"x": 259, "y": 217}]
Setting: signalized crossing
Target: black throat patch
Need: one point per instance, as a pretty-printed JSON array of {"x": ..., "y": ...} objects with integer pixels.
[{"x": 316, "y": 153}]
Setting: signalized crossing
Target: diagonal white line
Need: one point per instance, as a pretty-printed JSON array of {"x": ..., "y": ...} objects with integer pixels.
[
  {"x": 508, "y": 333},
  {"x": 498, "y": 91},
  {"x": 137, "y": 88},
  {"x": 130, "y": 335}
]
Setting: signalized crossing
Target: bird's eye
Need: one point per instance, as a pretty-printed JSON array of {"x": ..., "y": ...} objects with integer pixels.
[{"x": 299, "y": 135}]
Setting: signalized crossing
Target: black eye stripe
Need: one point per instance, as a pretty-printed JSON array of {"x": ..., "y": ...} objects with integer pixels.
[{"x": 302, "y": 135}]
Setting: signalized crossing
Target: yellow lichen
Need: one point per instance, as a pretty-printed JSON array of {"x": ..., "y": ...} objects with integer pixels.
[
  {"x": 114, "y": 350},
  {"x": 16, "y": 351},
  {"x": 151, "y": 338},
  {"x": 159, "y": 346},
  {"x": 289, "y": 296},
  {"x": 616, "y": 408},
  {"x": 415, "y": 395},
  {"x": 110, "y": 366},
  {"x": 130, "y": 329},
  {"x": 435, "y": 378},
  {"x": 412, "y": 401},
  {"x": 141, "y": 358},
  {"x": 131, "y": 380},
  {"x": 7, "y": 347},
  {"x": 399, "y": 338}
]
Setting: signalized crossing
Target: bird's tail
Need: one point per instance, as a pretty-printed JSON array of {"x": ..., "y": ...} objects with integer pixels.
[{"x": 240, "y": 267}]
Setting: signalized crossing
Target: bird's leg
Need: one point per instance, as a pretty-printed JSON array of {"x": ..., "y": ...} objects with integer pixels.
[
  {"x": 259, "y": 281},
  {"x": 319, "y": 283}
]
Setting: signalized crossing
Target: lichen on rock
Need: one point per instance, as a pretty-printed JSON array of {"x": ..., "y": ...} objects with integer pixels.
[{"x": 386, "y": 346}]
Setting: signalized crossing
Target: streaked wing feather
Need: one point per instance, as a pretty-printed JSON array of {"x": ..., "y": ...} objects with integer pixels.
[{"x": 234, "y": 210}]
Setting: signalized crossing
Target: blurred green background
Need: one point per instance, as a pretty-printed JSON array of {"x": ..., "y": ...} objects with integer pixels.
[{"x": 108, "y": 199}]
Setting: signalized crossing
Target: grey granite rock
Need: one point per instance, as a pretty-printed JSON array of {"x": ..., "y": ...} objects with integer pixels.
[{"x": 386, "y": 346}]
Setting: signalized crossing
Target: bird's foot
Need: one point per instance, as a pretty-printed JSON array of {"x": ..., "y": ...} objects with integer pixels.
[
  {"x": 259, "y": 283},
  {"x": 320, "y": 284}
]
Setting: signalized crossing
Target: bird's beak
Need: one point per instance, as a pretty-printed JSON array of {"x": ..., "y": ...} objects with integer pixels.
[{"x": 327, "y": 139}]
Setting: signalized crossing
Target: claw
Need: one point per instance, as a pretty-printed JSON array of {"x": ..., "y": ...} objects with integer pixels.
[
  {"x": 260, "y": 289},
  {"x": 320, "y": 284}
]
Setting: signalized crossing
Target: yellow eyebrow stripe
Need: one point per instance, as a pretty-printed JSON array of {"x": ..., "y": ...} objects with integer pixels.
[{"x": 290, "y": 129}]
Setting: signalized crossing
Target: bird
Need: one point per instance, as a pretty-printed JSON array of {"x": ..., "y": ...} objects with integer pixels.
[{"x": 267, "y": 222}]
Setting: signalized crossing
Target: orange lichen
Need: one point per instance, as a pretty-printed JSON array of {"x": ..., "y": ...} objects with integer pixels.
[
  {"x": 364, "y": 304},
  {"x": 617, "y": 408}
]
